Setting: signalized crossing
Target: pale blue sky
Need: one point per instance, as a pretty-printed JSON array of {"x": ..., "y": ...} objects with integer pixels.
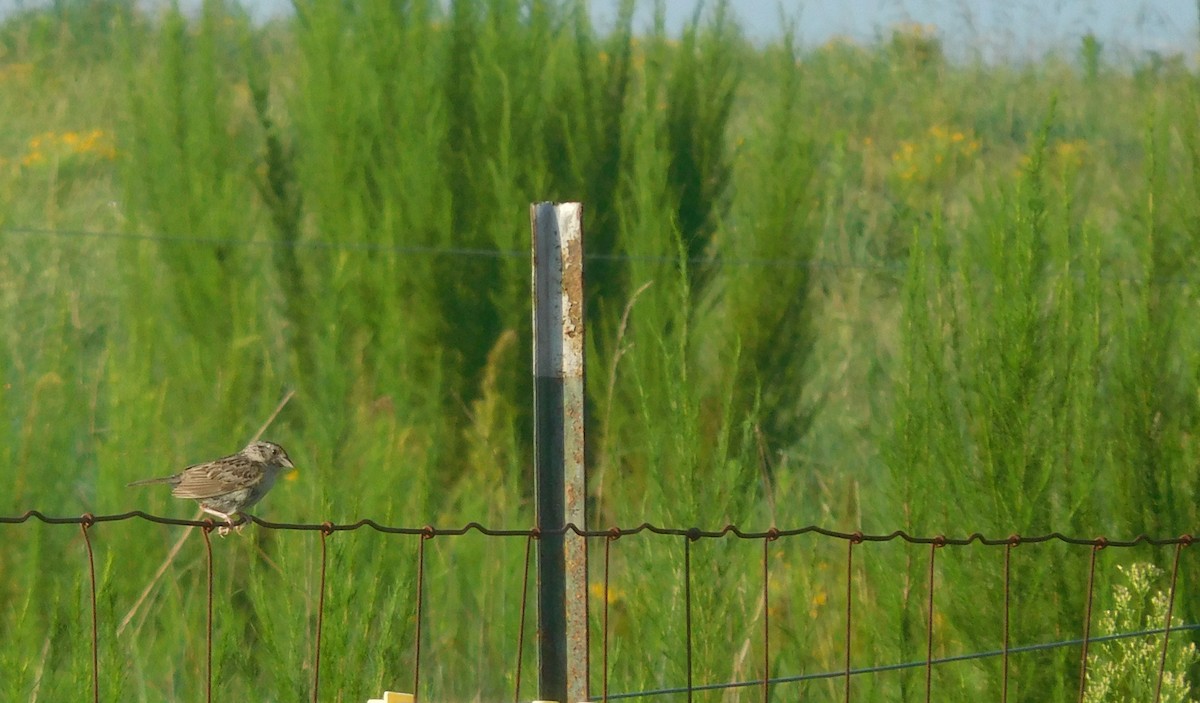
[{"x": 996, "y": 28}]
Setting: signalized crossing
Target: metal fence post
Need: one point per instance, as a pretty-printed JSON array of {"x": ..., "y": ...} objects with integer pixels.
[{"x": 559, "y": 449}]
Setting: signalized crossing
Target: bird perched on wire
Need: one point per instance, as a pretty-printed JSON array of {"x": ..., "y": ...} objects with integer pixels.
[{"x": 231, "y": 484}]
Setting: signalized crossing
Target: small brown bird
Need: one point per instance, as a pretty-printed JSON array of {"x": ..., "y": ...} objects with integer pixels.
[{"x": 231, "y": 484}]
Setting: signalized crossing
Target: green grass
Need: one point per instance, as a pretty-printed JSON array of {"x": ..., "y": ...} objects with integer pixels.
[{"x": 858, "y": 286}]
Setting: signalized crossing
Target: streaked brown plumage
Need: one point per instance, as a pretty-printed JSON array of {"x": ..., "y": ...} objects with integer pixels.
[{"x": 231, "y": 484}]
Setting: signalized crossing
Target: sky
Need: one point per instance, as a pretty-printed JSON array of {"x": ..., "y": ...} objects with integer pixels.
[
  {"x": 998, "y": 28},
  {"x": 992, "y": 28}
]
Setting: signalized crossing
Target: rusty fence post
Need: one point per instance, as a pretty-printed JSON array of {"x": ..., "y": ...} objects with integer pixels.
[{"x": 561, "y": 487}]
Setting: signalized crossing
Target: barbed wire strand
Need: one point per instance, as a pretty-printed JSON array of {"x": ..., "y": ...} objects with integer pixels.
[
  {"x": 207, "y": 528},
  {"x": 1007, "y": 609},
  {"x": 902, "y": 666},
  {"x": 1162, "y": 660},
  {"x": 425, "y": 534},
  {"x": 87, "y": 541},
  {"x": 320, "y": 617},
  {"x": 521, "y": 623},
  {"x": 929, "y": 626},
  {"x": 1087, "y": 620}
]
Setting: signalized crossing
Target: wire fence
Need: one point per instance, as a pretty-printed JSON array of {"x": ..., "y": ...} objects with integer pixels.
[
  {"x": 689, "y": 535},
  {"x": 892, "y": 267},
  {"x": 448, "y": 251}
]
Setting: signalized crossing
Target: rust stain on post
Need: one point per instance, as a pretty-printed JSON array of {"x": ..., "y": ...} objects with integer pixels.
[{"x": 570, "y": 218}]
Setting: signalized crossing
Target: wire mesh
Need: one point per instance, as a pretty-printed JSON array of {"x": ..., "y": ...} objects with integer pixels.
[{"x": 689, "y": 536}]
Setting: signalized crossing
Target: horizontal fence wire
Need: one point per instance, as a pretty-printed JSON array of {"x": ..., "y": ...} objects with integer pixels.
[
  {"x": 692, "y": 533},
  {"x": 902, "y": 666},
  {"x": 894, "y": 267},
  {"x": 461, "y": 252},
  {"x": 87, "y": 521}
]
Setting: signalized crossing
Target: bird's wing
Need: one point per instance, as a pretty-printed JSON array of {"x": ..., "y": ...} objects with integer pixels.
[{"x": 215, "y": 478}]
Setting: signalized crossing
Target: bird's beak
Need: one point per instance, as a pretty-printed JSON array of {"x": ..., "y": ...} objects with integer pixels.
[{"x": 290, "y": 475}]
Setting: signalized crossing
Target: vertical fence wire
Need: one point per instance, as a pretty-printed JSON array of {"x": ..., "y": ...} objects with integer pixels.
[
  {"x": 1162, "y": 659},
  {"x": 587, "y": 623},
  {"x": 1087, "y": 617},
  {"x": 87, "y": 522},
  {"x": 209, "y": 623},
  {"x": 692, "y": 534},
  {"x": 1012, "y": 544},
  {"x": 326, "y": 530},
  {"x": 772, "y": 535},
  {"x": 426, "y": 534},
  {"x": 855, "y": 539},
  {"x": 521, "y": 625},
  {"x": 938, "y": 542},
  {"x": 604, "y": 638}
]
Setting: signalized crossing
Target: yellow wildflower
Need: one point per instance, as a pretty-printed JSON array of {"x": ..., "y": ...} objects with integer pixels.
[
  {"x": 613, "y": 595},
  {"x": 816, "y": 602}
]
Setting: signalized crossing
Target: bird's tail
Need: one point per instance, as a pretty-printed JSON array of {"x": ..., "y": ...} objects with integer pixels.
[{"x": 148, "y": 481}]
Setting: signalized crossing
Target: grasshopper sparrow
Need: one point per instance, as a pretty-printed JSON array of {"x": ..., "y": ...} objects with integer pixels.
[{"x": 231, "y": 484}]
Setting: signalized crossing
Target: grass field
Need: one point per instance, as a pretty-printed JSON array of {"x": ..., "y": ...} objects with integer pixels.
[{"x": 859, "y": 286}]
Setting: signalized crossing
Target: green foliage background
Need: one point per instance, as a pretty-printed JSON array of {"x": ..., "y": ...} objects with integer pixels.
[{"x": 864, "y": 287}]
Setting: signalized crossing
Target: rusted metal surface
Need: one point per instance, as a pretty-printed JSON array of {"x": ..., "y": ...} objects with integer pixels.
[
  {"x": 574, "y": 478},
  {"x": 558, "y": 324}
]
